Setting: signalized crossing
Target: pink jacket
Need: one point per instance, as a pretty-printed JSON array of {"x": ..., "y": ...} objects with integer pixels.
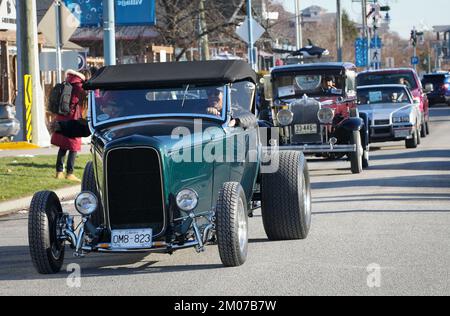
[{"x": 78, "y": 94}]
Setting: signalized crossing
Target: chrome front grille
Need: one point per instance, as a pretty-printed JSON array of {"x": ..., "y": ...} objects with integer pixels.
[
  {"x": 134, "y": 189},
  {"x": 306, "y": 114},
  {"x": 382, "y": 122}
]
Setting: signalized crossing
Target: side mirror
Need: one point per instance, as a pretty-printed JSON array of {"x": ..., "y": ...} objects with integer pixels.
[
  {"x": 268, "y": 88},
  {"x": 429, "y": 87}
]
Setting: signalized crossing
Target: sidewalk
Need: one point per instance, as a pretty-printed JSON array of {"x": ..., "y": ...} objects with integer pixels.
[
  {"x": 50, "y": 151},
  {"x": 11, "y": 207}
]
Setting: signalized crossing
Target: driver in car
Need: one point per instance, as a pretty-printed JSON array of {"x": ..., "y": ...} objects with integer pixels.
[
  {"x": 329, "y": 85},
  {"x": 404, "y": 82},
  {"x": 215, "y": 102},
  {"x": 112, "y": 109}
]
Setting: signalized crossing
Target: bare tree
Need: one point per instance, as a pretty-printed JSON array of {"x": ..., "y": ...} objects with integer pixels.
[{"x": 178, "y": 21}]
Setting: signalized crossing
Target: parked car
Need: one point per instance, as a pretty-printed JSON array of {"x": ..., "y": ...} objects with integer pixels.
[
  {"x": 314, "y": 108},
  {"x": 405, "y": 76},
  {"x": 9, "y": 125},
  {"x": 176, "y": 164},
  {"x": 394, "y": 115},
  {"x": 440, "y": 92}
]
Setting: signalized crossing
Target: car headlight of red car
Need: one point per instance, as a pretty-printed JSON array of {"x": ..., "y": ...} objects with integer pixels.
[
  {"x": 326, "y": 115},
  {"x": 285, "y": 117}
]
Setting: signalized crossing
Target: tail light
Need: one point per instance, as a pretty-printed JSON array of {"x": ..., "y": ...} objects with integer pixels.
[{"x": 446, "y": 86}]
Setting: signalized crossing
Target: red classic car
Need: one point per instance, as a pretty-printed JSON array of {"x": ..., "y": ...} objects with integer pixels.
[{"x": 314, "y": 108}]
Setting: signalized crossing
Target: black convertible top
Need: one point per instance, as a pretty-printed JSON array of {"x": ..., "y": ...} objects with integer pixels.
[{"x": 164, "y": 75}]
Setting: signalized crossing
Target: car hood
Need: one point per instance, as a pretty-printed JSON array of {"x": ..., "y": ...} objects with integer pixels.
[
  {"x": 159, "y": 133},
  {"x": 383, "y": 111}
]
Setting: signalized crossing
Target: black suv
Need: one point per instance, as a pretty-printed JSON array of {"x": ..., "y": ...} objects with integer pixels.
[{"x": 441, "y": 87}]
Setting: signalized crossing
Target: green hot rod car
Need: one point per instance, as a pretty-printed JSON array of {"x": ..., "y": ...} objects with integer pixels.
[{"x": 177, "y": 162}]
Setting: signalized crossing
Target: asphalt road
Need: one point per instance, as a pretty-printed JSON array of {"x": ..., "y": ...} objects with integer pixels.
[{"x": 395, "y": 217}]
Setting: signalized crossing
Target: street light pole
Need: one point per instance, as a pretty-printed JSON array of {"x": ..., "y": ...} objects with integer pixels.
[
  {"x": 339, "y": 35},
  {"x": 251, "y": 56},
  {"x": 366, "y": 32},
  {"x": 203, "y": 29},
  {"x": 109, "y": 28},
  {"x": 298, "y": 25},
  {"x": 58, "y": 47}
]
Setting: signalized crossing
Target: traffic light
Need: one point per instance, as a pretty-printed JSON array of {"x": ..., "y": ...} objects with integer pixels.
[{"x": 415, "y": 36}]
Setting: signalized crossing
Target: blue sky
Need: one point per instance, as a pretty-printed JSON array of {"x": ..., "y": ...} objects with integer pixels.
[{"x": 404, "y": 13}]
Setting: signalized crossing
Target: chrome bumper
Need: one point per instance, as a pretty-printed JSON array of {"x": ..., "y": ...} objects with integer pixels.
[{"x": 314, "y": 149}]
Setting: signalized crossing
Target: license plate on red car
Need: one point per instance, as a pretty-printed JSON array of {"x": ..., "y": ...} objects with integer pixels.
[
  {"x": 132, "y": 239},
  {"x": 305, "y": 129}
]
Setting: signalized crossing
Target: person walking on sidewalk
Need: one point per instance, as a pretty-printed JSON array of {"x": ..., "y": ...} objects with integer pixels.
[{"x": 78, "y": 105}]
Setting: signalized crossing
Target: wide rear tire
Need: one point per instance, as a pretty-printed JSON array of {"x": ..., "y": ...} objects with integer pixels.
[
  {"x": 232, "y": 225},
  {"x": 286, "y": 198},
  {"x": 47, "y": 252},
  {"x": 89, "y": 184}
]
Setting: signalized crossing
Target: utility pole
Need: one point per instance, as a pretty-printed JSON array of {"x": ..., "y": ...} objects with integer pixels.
[
  {"x": 298, "y": 25},
  {"x": 109, "y": 28},
  {"x": 339, "y": 34},
  {"x": 366, "y": 33},
  {"x": 203, "y": 30},
  {"x": 33, "y": 116},
  {"x": 251, "y": 47},
  {"x": 59, "y": 45}
]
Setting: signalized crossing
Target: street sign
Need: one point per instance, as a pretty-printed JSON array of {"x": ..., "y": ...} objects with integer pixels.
[
  {"x": 361, "y": 47},
  {"x": 376, "y": 42},
  {"x": 242, "y": 31},
  {"x": 415, "y": 60},
  {"x": 137, "y": 12},
  {"x": 82, "y": 61},
  {"x": 69, "y": 60},
  {"x": 128, "y": 12},
  {"x": 48, "y": 26},
  {"x": 8, "y": 18},
  {"x": 375, "y": 61}
]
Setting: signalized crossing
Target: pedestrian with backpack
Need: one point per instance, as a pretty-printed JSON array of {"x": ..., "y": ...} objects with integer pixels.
[{"x": 68, "y": 101}]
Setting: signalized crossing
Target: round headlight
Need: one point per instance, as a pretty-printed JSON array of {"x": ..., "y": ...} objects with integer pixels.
[
  {"x": 187, "y": 200},
  {"x": 326, "y": 115},
  {"x": 86, "y": 203},
  {"x": 285, "y": 117}
]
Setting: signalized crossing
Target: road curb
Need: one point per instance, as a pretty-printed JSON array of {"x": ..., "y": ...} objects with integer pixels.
[
  {"x": 18, "y": 146},
  {"x": 14, "y": 206}
]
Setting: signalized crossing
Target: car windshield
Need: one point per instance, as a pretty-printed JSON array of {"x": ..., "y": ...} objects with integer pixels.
[
  {"x": 291, "y": 86},
  {"x": 372, "y": 79},
  {"x": 191, "y": 101},
  {"x": 386, "y": 95},
  {"x": 436, "y": 80}
]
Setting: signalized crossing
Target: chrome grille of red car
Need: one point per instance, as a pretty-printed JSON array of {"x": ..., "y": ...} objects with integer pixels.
[
  {"x": 306, "y": 114},
  {"x": 134, "y": 189}
]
